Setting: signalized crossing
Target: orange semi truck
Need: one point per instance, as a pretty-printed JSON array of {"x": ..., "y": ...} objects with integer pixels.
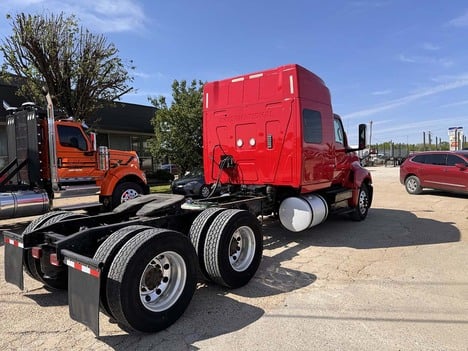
[{"x": 49, "y": 158}]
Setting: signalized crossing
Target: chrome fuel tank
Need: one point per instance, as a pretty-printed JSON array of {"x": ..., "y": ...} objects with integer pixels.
[{"x": 23, "y": 203}]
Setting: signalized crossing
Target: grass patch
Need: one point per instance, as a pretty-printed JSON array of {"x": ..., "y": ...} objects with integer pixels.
[{"x": 160, "y": 188}]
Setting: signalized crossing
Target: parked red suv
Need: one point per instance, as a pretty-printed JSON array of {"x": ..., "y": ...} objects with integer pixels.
[{"x": 443, "y": 170}]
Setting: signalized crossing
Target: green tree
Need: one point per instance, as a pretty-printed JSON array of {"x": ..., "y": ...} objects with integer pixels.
[
  {"x": 81, "y": 70},
  {"x": 178, "y": 127}
]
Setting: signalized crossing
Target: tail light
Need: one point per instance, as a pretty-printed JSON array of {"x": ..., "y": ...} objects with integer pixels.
[{"x": 36, "y": 252}]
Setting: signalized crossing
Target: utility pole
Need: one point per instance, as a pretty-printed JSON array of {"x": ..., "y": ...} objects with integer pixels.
[{"x": 370, "y": 136}]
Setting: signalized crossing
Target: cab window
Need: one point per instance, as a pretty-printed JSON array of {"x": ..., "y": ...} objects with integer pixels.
[
  {"x": 312, "y": 124},
  {"x": 339, "y": 138},
  {"x": 71, "y": 137}
]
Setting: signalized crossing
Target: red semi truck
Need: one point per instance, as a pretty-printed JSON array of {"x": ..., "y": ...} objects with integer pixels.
[
  {"x": 272, "y": 138},
  {"x": 275, "y": 132}
]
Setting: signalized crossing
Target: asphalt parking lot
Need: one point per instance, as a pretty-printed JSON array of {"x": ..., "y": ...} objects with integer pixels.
[{"x": 396, "y": 281}]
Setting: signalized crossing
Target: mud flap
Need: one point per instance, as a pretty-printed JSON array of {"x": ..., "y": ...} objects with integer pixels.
[
  {"x": 83, "y": 289},
  {"x": 14, "y": 253}
]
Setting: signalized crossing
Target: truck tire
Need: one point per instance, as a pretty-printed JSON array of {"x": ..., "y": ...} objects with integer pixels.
[
  {"x": 198, "y": 231},
  {"x": 413, "y": 185},
  {"x": 106, "y": 253},
  {"x": 36, "y": 224},
  {"x": 233, "y": 248},
  {"x": 124, "y": 192},
  {"x": 60, "y": 281},
  {"x": 152, "y": 280},
  {"x": 362, "y": 208}
]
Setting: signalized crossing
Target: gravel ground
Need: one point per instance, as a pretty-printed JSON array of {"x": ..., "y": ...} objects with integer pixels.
[{"x": 396, "y": 281}]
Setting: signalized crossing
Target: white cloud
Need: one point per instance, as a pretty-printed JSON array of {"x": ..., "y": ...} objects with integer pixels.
[
  {"x": 459, "y": 82},
  {"x": 458, "y": 103},
  {"x": 369, "y": 4},
  {"x": 443, "y": 61},
  {"x": 381, "y": 92},
  {"x": 142, "y": 75},
  {"x": 404, "y": 58},
  {"x": 104, "y": 16},
  {"x": 461, "y": 21},
  {"x": 430, "y": 47}
]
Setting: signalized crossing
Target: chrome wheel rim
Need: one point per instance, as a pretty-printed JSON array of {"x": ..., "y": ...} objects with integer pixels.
[
  {"x": 242, "y": 248},
  {"x": 205, "y": 191},
  {"x": 363, "y": 201},
  {"x": 412, "y": 185},
  {"x": 163, "y": 281},
  {"x": 128, "y": 195}
]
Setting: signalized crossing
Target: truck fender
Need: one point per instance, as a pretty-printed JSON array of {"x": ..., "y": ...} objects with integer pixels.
[
  {"x": 360, "y": 176},
  {"x": 115, "y": 175}
]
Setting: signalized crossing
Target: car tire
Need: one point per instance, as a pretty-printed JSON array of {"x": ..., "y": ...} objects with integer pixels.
[
  {"x": 204, "y": 191},
  {"x": 413, "y": 185}
]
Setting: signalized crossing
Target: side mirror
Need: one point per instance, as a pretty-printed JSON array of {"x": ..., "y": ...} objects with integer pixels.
[
  {"x": 362, "y": 136},
  {"x": 462, "y": 166}
]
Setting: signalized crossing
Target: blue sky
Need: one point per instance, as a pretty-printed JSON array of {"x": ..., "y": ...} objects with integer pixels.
[{"x": 402, "y": 64}]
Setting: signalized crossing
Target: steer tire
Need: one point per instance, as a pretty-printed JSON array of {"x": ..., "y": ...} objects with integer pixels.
[
  {"x": 233, "y": 248},
  {"x": 124, "y": 192},
  {"x": 152, "y": 280},
  {"x": 106, "y": 253},
  {"x": 198, "y": 231},
  {"x": 363, "y": 204},
  {"x": 60, "y": 280}
]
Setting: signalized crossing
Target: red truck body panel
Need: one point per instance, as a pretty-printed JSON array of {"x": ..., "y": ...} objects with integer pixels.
[{"x": 279, "y": 128}]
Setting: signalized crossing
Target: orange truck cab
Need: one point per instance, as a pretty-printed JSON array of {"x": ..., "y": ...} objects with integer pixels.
[
  {"x": 116, "y": 172},
  {"x": 51, "y": 158}
]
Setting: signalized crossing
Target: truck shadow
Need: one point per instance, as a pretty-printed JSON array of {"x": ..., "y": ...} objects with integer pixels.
[
  {"x": 443, "y": 193},
  {"x": 211, "y": 313},
  {"x": 216, "y": 311},
  {"x": 49, "y": 297},
  {"x": 383, "y": 228}
]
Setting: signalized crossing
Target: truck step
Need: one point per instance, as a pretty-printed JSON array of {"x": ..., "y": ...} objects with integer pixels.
[{"x": 77, "y": 190}]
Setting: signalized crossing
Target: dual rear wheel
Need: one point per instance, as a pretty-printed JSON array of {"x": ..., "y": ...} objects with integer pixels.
[
  {"x": 57, "y": 276},
  {"x": 149, "y": 274}
]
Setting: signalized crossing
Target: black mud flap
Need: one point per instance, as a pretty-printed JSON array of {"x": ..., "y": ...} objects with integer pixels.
[
  {"x": 84, "y": 275},
  {"x": 14, "y": 253}
]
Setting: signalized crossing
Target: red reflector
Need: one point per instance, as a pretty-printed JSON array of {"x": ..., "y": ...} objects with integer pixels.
[
  {"x": 54, "y": 260},
  {"x": 36, "y": 252}
]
